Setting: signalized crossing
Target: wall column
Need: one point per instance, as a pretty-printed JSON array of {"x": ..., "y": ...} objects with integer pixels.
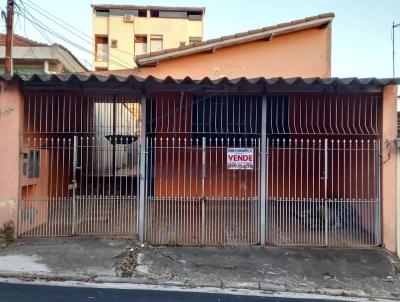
[
  {"x": 388, "y": 160},
  {"x": 11, "y": 112},
  {"x": 398, "y": 197}
]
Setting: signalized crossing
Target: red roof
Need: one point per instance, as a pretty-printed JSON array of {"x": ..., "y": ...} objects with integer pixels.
[
  {"x": 226, "y": 41},
  {"x": 20, "y": 41}
]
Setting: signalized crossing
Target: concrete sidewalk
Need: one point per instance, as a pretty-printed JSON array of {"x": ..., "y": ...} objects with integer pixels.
[{"x": 342, "y": 272}]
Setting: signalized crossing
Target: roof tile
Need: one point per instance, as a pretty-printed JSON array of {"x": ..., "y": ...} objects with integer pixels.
[
  {"x": 229, "y": 37},
  {"x": 72, "y": 78},
  {"x": 20, "y": 41}
]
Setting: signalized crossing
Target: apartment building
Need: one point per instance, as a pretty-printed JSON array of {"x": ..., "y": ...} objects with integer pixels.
[{"x": 121, "y": 32}]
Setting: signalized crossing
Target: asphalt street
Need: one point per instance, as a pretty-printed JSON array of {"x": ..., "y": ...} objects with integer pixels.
[{"x": 10, "y": 292}]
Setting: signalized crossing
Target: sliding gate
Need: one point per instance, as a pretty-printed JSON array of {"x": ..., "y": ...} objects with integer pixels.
[{"x": 314, "y": 177}]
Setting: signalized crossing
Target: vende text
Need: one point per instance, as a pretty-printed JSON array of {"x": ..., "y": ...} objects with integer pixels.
[{"x": 240, "y": 159}]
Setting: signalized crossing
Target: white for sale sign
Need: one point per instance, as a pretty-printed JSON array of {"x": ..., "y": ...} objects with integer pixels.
[{"x": 240, "y": 159}]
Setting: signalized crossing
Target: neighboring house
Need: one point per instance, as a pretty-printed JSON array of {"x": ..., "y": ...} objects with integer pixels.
[
  {"x": 122, "y": 32},
  {"x": 31, "y": 57},
  {"x": 300, "y": 47}
]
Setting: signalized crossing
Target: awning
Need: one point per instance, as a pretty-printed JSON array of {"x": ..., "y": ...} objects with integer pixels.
[{"x": 151, "y": 84}]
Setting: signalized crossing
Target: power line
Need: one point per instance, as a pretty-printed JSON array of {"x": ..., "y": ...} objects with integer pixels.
[
  {"x": 44, "y": 27},
  {"x": 47, "y": 14},
  {"x": 45, "y": 36},
  {"x": 74, "y": 33},
  {"x": 67, "y": 26}
]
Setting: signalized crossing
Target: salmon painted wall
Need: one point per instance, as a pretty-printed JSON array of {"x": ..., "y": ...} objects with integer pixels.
[
  {"x": 305, "y": 53},
  {"x": 389, "y": 134},
  {"x": 10, "y": 125}
]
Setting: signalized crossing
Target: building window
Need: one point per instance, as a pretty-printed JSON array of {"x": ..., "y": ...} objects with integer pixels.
[
  {"x": 101, "y": 48},
  {"x": 194, "y": 40},
  {"x": 195, "y": 16},
  {"x": 123, "y": 12},
  {"x": 142, "y": 13},
  {"x": 140, "y": 44},
  {"x": 226, "y": 117},
  {"x": 114, "y": 43},
  {"x": 102, "y": 12},
  {"x": 33, "y": 163},
  {"x": 172, "y": 14},
  {"x": 156, "y": 43},
  {"x": 154, "y": 13}
]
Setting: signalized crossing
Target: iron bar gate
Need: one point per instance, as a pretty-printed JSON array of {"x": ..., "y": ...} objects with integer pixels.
[
  {"x": 323, "y": 192},
  {"x": 79, "y": 165},
  {"x": 314, "y": 177},
  {"x": 194, "y": 199}
]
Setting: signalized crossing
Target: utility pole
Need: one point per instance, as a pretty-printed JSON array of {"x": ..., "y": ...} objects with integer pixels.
[
  {"x": 393, "y": 52},
  {"x": 9, "y": 37}
]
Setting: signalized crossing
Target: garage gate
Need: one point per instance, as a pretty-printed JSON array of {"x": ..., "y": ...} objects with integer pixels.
[
  {"x": 313, "y": 180},
  {"x": 311, "y": 174}
]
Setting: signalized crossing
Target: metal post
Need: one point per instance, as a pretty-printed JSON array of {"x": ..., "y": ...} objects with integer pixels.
[
  {"x": 378, "y": 180},
  {"x": 326, "y": 189},
  {"x": 142, "y": 173},
  {"x": 393, "y": 50},
  {"x": 74, "y": 184},
  {"x": 114, "y": 139},
  {"x": 263, "y": 184},
  {"x": 203, "y": 178},
  {"x": 393, "y": 66}
]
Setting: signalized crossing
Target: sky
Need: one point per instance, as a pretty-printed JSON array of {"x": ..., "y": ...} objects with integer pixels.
[{"x": 361, "y": 37}]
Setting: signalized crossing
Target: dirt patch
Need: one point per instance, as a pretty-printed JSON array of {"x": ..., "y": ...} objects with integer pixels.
[
  {"x": 6, "y": 234},
  {"x": 128, "y": 263}
]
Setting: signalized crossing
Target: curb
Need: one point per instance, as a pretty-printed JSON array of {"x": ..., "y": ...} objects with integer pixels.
[{"x": 262, "y": 286}]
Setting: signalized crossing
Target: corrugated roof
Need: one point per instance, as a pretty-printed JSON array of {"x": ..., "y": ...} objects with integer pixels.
[
  {"x": 150, "y": 7},
  {"x": 235, "y": 39},
  {"x": 100, "y": 82},
  {"x": 21, "y": 41}
]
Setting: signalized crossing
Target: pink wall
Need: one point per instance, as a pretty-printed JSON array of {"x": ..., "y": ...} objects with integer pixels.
[
  {"x": 10, "y": 125},
  {"x": 389, "y": 133},
  {"x": 305, "y": 53}
]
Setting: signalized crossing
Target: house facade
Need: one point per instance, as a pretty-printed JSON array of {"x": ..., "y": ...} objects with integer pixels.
[
  {"x": 316, "y": 171},
  {"x": 263, "y": 52},
  {"x": 280, "y": 160},
  {"x": 30, "y": 57},
  {"x": 122, "y": 32}
]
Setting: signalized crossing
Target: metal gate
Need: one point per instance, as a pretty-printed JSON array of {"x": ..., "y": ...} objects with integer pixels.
[
  {"x": 315, "y": 180},
  {"x": 314, "y": 177},
  {"x": 323, "y": 192},
  {"x": 79, "y": 173},
  {"x": 193, "y": 198}
]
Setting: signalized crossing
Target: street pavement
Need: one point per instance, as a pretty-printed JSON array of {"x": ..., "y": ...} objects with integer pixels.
[
  {"x": 365, "y": 273},
  {"x": 10, "y": 292}
]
